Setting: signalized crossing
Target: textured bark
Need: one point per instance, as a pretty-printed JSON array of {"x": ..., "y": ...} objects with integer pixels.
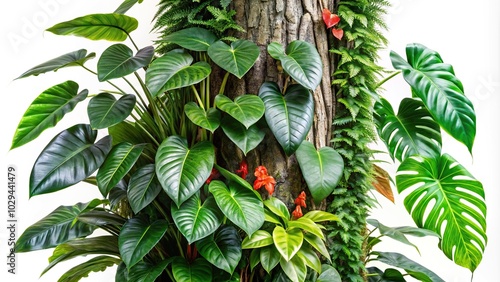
[{"x": 281, "y": 21}]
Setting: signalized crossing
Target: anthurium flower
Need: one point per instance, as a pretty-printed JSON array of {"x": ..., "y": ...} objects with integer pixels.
[
  {"x": 297, "y": 213},
  {"x": 243, "y": 171},
  {"x": 329, "y": 18},
  {"x": 301, "y": 200},
  {"x": 213, "y": 174},
  {"x": 263, "y": 179},
  {"x": 338, "y": 33}
]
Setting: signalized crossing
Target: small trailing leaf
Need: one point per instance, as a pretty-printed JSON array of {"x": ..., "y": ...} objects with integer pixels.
[
  {"x": 245, "y": 139},
  {"x": 82, "y": 270},
  {"x": 111, "y": 27},
  {"x": 237, "y": 58},
  {"x": 47, "y": 110},
  {"x": 209, "y": 120},
  {"x": 143, "y": 187},
  {"x": 193, "y": 38},
  {"x": 105, "y": 111},
  {"x": 247, "y": 109},
  {"x": 198, "y": 271},
  {"x": 288, "y": 242},
  {"x": 118, "y": 60},
  {"x": 75, "y": 58},
  {"x": 222, "y": 249}
]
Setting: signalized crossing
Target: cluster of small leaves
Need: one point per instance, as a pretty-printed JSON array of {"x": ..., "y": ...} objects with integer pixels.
[
  {"x": 354, "y": 80},
  {"x": 175, "y": 15}
]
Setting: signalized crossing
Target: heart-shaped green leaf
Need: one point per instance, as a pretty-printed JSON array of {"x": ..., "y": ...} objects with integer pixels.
[
  {"x": 277, "y": 207},
  {"x": 295, "y": 268},
  {"x": 182, "y": 170},
  {"x": 288, "y": 242},
  {"x": 322, "y": 169},
  {"x": 111, "y": 27},
  {"x": 143, "y": 187},
  {"x": 117, "y": 164},
  {"x": 70, "y": 157},
  {"x": 196, "y": 220},
  {"x": 118, "y": 60},
  {"x": 222, "y": 249},
  {"x": 58, "y": 227},
  {"x": 193, "y": 38},
  {"x": 412, "y": 268},
  {"x": 105, "y": 111},
  {"x": 445, "y": 198},
  {"x": 96, "y": 264},
  {"x": 237, "y": 58},
  {"x": 75, "y": 58},
  {"x": 47, "y": 110},
  {"x": 245, "y": 139},
  {"x": 269, "y": 257},
  {"x": 289, "y": 117},
  {"x": 301, "y": 61},
  {"x": 239, "y": 205},
  {"x": 209, "y": 120},
  {"x": 412, "y": 131},
  {"x": 137, "y": 237},
  {"x": 247, "y": 109},
  {"x": 199, "y": 270},
  {"x": 174, "y": 70},
  {"x": 259, "y": 239},
  {"x": 440, "y": 90}
]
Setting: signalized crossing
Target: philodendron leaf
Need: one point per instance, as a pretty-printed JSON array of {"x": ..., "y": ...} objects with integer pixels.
[
  {"x": 75, "y": 58},
  {"x": 412, "y": 268},
  {"x": 440, "y": 90},
  {"x": 209, "y": 120},
  {"x": 47, "y": 110},
  {"x": 56, "y": 228},
  {"x": 445, "y": 198},
  {"x": 111, "y": 27},
  {"x": 289, "y": 117},
  {"x": 322, "y": 169},
  {"x": 301, "y": 61},
  {"x": 146, "y": 272},
  {"x": 239, "y": 205},
  {"x": 104, "y": 110},
  {"x": 143, "y": 187},
  {"x": 82, "y": 270},
  {"x": 269, "y": 257},
  {"x": 70, "y": 157},
  {"x": 237, "y": 58},
  {"x": 199, "y": 270},
  {"x": 259, "y": 239},
  {"x": 193, "y": 38},
  {"x": 247, "y": 109},
  {"x": 196, "y": 220},
  {"x": 222, "y": 249},
  {"x": 245, "y": 139},
  {"x": 137, "y": 237},
  {"x": 117, "y": 164},
  {"x": 411, "y": 131},
  {"x": 288, "y": 242},
  {"x": 295, "y": 268},
  {"x": 174, "y": 70},
  {"x": 182, "y": 170},
  {"x": 328, "y": 274},
  {"x": 118, "y": 60}
]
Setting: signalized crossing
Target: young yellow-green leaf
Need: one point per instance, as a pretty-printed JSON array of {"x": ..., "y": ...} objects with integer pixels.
[
  {"x": 269, "y": 257},
  {"x": 259, "y": 239},
  {"x": 288, "y": 242}
]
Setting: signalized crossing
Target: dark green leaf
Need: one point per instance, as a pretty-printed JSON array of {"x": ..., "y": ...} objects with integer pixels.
[
  {"x": 70, "y": 157},
  {"x": 245, "y": 139},
  {"x": 269, "y": 257},
  {"x": 143, "y": 187},
  {"x": 47, "y": 110},
  {"x": 413, "y": 268},
  {"x": 328, "y": 274},
  {"x": 105, "y": 111},
  {"x": 193, "y": 38},
  {"x": 236, "y": 178},
  {"x": 101, "y": 218},
  {"x": 209, "y": 120},
  {"x": 198, "y": 271},
  {"x": 237, "y": 58},
  {"x": 82, "y": 270},
  {"x": 247, "y": 109},
  {"x": 118, "y": 60},
  {"x": 222, "y": 249},
  {"x": 147, "y": 272}
]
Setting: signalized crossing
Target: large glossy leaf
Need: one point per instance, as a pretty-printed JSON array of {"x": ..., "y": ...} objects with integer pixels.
[
  {"x": 174, "y": 70},
  {"x": 237, "y": 58},
  {"x": 412, "y": 268},
  {"x": 289, "y": 117},
  {"x": 198, "y": 271},
  {"x": 247, "y": 109},
  {"x": 222, "y": 249},
  {"x": 288, "y": 242},
  {"x": 47, "y": 110},
  {"x": 440, "y": 90},
  {"x": 143, "y": 187},
  {"x": 322, "y": 169},
  {"x": 117, "y": 164},
  {"x": 111, "y": 27},
  {"x": 82, "y": 270},
  {"x": 102, "y": 218},
  {"x": 147, "y": 272},
  {"x": 301, "y": 61},
  {"x": 70, "y": 157},
  {"x": 105, "y": 111},
  {"x": 209, "y": 120},
  {"x": 442, "y": 196},
  {"x": 295, "y": 268},
  {"x": 103, "y": 245},
  {"x": 196, "y": 220},
  {"x": 75, "y": 58},
  {"x": 137, "y": 237},
  {"x": 245, "y": 139},
  {"x": 182, "y": 170},
  {"x": 56, "y": 228},
  {"x": 118, "y": 60},
  {"x": 193, "y": 38},
  {"x": 239, "y": 205},
  {"x": 328, "y": 274},
  {"x": 259, "y": 239},
  {"x": 411, "y": 131}
]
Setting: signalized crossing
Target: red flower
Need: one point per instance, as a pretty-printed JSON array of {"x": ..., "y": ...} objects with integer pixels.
[
  {"x": 213, "y": 174},
  {"x": 301, "y": 200},
  {"x": 263, "y": 179},
  {"x": 243, "y": 171},
  {"x": 297, "y": 213},
  {"x": 331, "y": 20}
]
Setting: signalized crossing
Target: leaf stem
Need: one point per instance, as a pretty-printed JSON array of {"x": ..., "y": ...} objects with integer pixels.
[
  {"x": 223, "y": 84},
  {"x": 197, "y": 96},
  {"x": 387, "y": 79}
]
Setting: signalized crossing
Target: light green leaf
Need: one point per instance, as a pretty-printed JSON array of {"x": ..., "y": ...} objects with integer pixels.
[
  {"x": 269, "y": 257},
  {"x": 295, "y": 268},
  {"x": 288, "y": 242},
  {"x": 259, "y": 239},
  {"x": 320, "y": 216},
  {"x": 279, "y": 208}
]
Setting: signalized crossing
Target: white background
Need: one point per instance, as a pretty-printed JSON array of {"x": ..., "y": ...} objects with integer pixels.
[{"x": 465, "y": 33}]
